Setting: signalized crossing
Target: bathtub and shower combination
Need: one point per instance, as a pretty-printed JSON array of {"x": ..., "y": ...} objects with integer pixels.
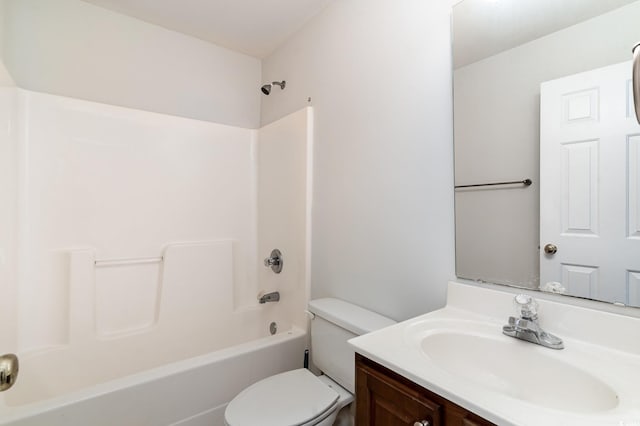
[{"x": 137, "y": 260}]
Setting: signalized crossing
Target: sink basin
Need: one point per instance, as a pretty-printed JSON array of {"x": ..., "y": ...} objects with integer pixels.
[
  {"x": 460, "y": 353},
  {"x": 518, "y": 369}
]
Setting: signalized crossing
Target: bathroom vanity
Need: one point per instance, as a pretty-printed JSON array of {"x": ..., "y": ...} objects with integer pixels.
[
  {"x": 454, "y": 366},
  {"x": 384, "y": 397}
]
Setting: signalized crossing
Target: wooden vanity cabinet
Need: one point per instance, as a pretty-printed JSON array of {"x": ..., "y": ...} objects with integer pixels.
[{"x": 385, "y": 398}]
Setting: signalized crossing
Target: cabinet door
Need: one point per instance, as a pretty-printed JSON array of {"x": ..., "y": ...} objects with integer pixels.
[
  {"x": 382, "y": 401},
  {"x": 457, "y": 416},
  {"x": 474, "y": 421},
  {"x": 385, "y": 398}
]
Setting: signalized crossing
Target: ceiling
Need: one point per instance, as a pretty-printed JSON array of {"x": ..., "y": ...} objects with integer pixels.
[
  {"x": 253, "y": 27},
  {"x": 482, "y": 28}
]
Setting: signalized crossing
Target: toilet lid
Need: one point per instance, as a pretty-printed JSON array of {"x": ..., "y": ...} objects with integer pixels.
[{"x": 292, "y": 398}]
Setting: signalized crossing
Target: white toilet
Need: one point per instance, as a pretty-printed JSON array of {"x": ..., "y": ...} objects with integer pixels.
[{"x": 298, "y": 397}]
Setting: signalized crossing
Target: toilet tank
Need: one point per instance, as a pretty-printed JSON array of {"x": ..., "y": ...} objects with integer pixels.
[{"x": 335, "y": 322}]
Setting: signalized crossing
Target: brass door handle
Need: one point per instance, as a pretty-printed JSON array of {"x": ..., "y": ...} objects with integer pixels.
[
  {"x": 8, "y": 371},
  {"x": 551, "y": 249}
]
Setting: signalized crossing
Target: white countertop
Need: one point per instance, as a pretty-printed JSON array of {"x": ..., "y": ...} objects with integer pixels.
[{"x": 603, "y": 345}]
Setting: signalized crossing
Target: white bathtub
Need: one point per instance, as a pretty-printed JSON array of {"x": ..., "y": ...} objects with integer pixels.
[{"x": 192, "y": 392}]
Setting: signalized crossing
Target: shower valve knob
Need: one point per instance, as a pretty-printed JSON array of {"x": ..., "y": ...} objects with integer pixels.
[{"x": 274, "y": 261}]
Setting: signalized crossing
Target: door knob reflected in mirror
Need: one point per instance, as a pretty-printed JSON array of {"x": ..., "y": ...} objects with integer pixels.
[
  {"x": 550, "y": 249},
  {"x": 9, "y": 367}
]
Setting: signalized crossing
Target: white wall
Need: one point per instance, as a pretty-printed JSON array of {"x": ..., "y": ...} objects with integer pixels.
[
  {"x": 75, "y": 49},
  {"x": 497, "y": 131},
  {"x": 379, "y": 75},
  {"x": 120, "y": 229}
]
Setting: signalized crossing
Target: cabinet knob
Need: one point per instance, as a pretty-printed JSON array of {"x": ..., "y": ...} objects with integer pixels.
[{"x": 422, "y": 423}]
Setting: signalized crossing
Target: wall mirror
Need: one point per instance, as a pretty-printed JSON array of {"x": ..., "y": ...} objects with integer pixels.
[{"x": 543, "y": 92}]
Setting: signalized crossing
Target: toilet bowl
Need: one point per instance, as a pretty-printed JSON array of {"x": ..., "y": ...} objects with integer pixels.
[{"x": 298, "y": 397}]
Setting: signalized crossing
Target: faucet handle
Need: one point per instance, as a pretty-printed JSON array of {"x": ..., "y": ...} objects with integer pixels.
[
  {"x": 274, "y": 261},
  {"x": 526, "y": 306}
]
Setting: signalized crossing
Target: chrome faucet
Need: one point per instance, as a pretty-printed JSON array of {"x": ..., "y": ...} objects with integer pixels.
[
  {"x": 526, "y": 327},
  {"x": 270, "y": 297}
]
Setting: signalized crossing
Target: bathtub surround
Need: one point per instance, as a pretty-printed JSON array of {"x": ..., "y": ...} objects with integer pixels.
[
  {"x": 8, "y": 217},
  {"x": 284, "y": 208},
  {"x": 136, "y": 236},
  {"x": 98, "y": 182},
  {"x": 378, "y": 73},
  {"x": 95, "y": 54}
]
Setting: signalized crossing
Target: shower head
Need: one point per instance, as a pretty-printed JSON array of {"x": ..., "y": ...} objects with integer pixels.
[{"x": 266, "y": 89}]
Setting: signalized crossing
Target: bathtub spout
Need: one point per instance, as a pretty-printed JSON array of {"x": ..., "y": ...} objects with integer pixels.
[{"x": 270, "y": 297}]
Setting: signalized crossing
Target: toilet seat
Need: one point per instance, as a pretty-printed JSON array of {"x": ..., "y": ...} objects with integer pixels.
[{"x": 293, "y": 398}]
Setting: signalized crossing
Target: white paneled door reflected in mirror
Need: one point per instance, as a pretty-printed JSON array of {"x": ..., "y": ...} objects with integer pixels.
[{"x": 543, "y": 90}]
